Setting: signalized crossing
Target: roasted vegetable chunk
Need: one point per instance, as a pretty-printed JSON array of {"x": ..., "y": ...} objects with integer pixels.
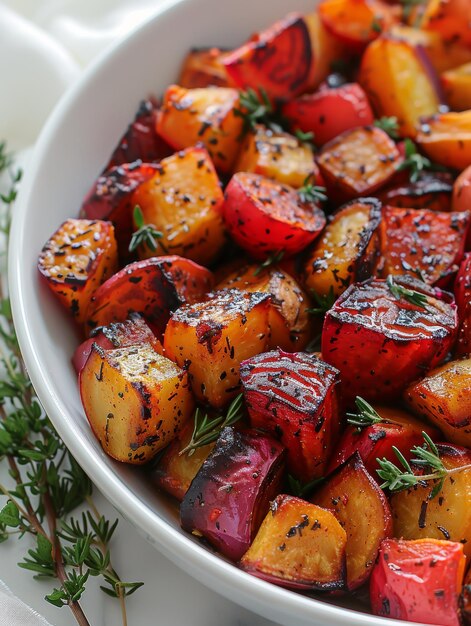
[
  {"x": 461, "y": 200},
  {"x": 457, "y": 86},
  {"x": 135, "y": 400},
  {"x": 358, "y": 162},
  {"x": 203, "y": 68},
  {"x": 418, "y": 239},
  {"x": 299, "y": 546},
  {"x": 463, "y": 301},
  {"x": 418, "y": 581},
  {"x": 230, "y": 495},
  {"x": 212, "y": 338},
  {"x": 266, "y": 61},
  {"x": 278, "y": 156},
  {"x": 446, "y": 139},
  {"x": 206, "y": 115},
  {"x": 430, "y": 191},
  {"x": 183, "y": 201},
  {"x": 363, "y": 510},
  {"x": 381, "y": 341},
  {"x": 444, "y": 398},
  {"x": 417, "y": 515},
  {"x": 266, "y": 217},
  {"x": 449, "y": 19},
  {"x": 294, "y": 396},
  {"x": 78, "y": 257},
  {"x": 348, "y": 249}
]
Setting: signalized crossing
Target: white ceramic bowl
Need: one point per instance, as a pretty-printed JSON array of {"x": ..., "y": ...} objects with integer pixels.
[{"x": 71, "y": 151}]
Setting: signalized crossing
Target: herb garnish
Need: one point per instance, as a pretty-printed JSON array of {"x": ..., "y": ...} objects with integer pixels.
[
  {"x": 311, "y": 193},
  {"x": 302, "y": 490},
  {"x": 415, "y": 162},
  {"x": 146, "y": 234},
  {"x": 257, "y": 109},
  {"x": 398, "y": 291},
  {"x": 272, "y": 259},
  {"x": 306, "y": 138},
  {"x": 408, "y": 5},
  {"x": 365, "y": 416},
  {"x": 390, "y": 126},
  {"x": 324, "y": 302}
]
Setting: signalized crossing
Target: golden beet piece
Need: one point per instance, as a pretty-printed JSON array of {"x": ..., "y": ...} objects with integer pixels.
[
  {"x": 457, "y": 87},
  {"x": 448, "y": 514},
  {"x": 135, "y": 400},
  {"x": 348, "y": 249},
  {"x": 78, "y": 257},
  {"x": 327, "y": 49},
  {"x": 205, "y": 115},
  {"x": 299, "y": 546},
  {"x": 358, "y": 162},
  {"x": 183, "y": 201},
  {"x": 444, "y": 398},
  {"x": 288, "y": 317},
  {"x": 203, "y": 68},
  {"x": 210, "y": 339},
  {"x": 363, "y": 510},
  {"x": 279, "y": 156},
  {"x": 446, "y": 139}
]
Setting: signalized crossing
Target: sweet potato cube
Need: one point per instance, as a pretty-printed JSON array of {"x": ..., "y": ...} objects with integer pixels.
[
  {"x": 358, "y": 162},
  {"x": 230, "y": 494},
  {"x": 183, "y": 201},
  {"x": 299, "y": 546},
  {"x": 204, "y": 115},
  {"x": 279, "y": 156},
  {"x": 447, "y": 515},
  {"x": 446, "y": 139},
  {"x": 449, "y": 18},
  {"x": 266, "y": 60},
  {"x": 444, "y": 398},
  {"x": 363, "y": 510},
  {"x": 400, "y": 82},
  {"x": 135, "y": 400},
  {"x": 78, "y": 257},
  {"x": 418, "y": 581},
  {"x": 381, "y": 342},
  {"x": 348, "y": 249},
  {"x": 203, "y": 68},
  {"x": 432, "y": 190},
  {"x": 212, "y": 338},
  {"x": 419, "y": 239},
  {"x": 294, "y": 396},
  {"x": 288, "y": 317},
  {"x": 457, "y": 87}
]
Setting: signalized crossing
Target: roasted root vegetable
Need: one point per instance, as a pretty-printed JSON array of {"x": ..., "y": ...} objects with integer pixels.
[
  {"x": 347, "y": 251},
  {"x": 266, "y": 61},
  {"x": 358, "y": 162},
  {"x": 418, "y": 581},
  {"x": 446, "y": 139},
  {"x": 204, "y": 115},
  {"x": 381, "y": 335},
  {"x": 203, "y": 68},
  {"x": 449, "y": 18},
  {"x": 447, "y": 515},
  {"x": 461, "y": 200},
  {"x": 264, "y": 216},
  {"x": 363, "y": 510},
  {"x": 183, "y": 202},
  {"x": 465, "y": 599},
  {"x": 463, "y": 302},
  {"x": 430, "y": 242},
  {"x": 456, "y": 85},
  {"x": 135, "y": 400},
  {"x": 74, "y": 262},
  {"x": 230, "y": 495},
  {"x": 430, "y": 191},
  {"x": 279, "y": 156},
  {"x": 443, "y": 397},
  {"x": 329, "y": 112},
  {"x": 210, "y": 339},
  {"x": 299, "y": 546},
  {"x": 288, "y": 317},
  {"x": 294, "y": 396}
]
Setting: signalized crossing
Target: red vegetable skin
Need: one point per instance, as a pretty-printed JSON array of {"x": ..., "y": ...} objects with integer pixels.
[
  {"x": 329, "y": 112},
  {"x": 294, "y": 397},
  {"x": 230, "y": 495},
  {"x": 380, "y": 343},
  {"x": 431, "y": 191},
  {"x": 264, "y": 216},
  {"x": 418, "y": 581},
  {"x": 463, "y": 301}
]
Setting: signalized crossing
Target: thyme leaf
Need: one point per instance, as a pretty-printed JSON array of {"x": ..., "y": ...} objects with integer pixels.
[
  {"x": 311, "y": 193},
  {"x": 146, "y": 234},
  {"x": 390, "y": 126},
  {"x": 302, "y": 490},
  {"x": 324, "y": 302},
  {"x": 256, "y": 108},
  {"x": 365, "y": 416},
  {"x": 398, "y": 291},
  {"x": 272, "y": 259}
]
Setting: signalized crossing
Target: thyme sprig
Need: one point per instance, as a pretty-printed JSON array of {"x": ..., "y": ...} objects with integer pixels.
[
  {"x": 365, "y": 416},
  {"x": 207, "y": 429},
  {"x": 273, "y": 259},
  {"x": 256, "y": 108},
  {"x": 324, "y": 302},
  {"x": 146, "y": 234},
  {"x": 416, "y": 163},
  {"x": 306, "y": 138},
  {"x": 303, "y": 490},
  {"x": 412, "y": 296},
  {"x": 390, "y": 126},
  {"x": 397, "y": 478},
  {"x": 47, "y": 484},
  {"x": 310, "y": 192}
]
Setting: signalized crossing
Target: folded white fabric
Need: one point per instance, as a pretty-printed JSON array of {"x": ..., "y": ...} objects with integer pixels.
[{"x": 13, "y": 611}]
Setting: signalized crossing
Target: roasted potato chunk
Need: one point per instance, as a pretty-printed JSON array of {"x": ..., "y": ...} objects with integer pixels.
[
  {"x": 457, "y": 87},
  {"x": 212, "y": 338},
  {"x": 444, "y": 398},
  {"x": 446, "y": 139},
  {"x": 363, "y": 511},
  {"x": 135, "y": 400},
  {"x": 347, "y": 251},
  {"x": 203, "y": 68},
  {"x": 183, "y": 201},
  {"x": 299, "y": 546},
  {"x": 447, "y": 515},
  {"x": 74, "y": 262}
]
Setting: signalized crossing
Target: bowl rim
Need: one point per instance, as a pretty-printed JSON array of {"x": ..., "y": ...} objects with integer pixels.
[{"x": 255, "y": 594}]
